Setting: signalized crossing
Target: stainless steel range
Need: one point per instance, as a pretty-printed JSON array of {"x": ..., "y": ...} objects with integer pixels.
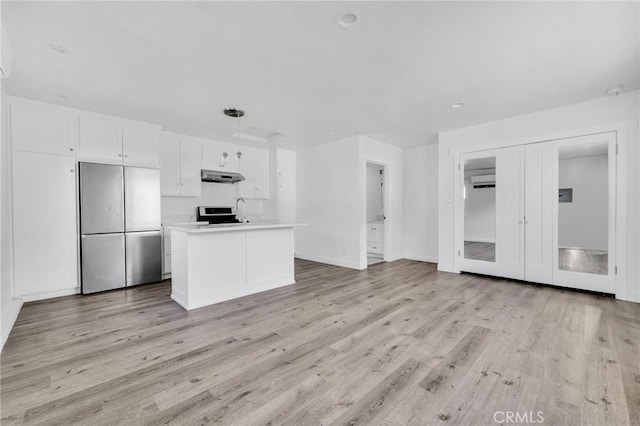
[{"x": 217, "y": 215}]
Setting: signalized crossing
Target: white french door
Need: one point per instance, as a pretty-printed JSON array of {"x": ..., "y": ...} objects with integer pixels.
[
  {"x": 538, "y": 219},
  {"x": 490, "y": 218},
  {"x": 541, "y": 212},
  {"x": 584, "y": 170}
]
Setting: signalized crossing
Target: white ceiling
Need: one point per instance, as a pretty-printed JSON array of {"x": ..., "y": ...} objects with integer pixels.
[{"x": 296, "y": 71}]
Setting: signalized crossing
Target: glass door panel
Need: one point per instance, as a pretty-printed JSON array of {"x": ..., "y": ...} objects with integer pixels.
[
  {"x": 584, "y": 210},
  {"x": 479, "y": 201}
]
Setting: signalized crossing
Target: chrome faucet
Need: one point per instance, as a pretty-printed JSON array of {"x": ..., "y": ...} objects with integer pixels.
[{"x": 244, "y": 204}]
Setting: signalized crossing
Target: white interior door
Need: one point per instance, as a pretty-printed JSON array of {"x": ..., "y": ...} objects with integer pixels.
[
  {"x": 510, "y": 225},
  {"x": 584, "y": 179},
  {"x": 491, "y": 233}
]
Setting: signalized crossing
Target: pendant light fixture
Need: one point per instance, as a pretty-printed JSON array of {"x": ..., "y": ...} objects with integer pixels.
[{"x": 236, "y": 113}]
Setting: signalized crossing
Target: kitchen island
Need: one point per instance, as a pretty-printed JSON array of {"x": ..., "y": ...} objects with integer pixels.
[{"x": 214, "y": 263}]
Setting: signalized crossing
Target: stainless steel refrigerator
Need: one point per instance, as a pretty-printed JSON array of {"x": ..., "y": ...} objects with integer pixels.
[{"x": 120, "y": 226}]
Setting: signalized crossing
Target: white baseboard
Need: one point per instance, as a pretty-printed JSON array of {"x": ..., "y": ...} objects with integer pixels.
[
  {"x": 444, "y": 267},
  {"x": 218, "y": 296},
  {"x": 423, "y": 259},
  {"x": 50, "y": 295},
  {"x": 8, "y": 319},
  {"x": 329, "y": 260},
  {"x": 632, "y": 296}
]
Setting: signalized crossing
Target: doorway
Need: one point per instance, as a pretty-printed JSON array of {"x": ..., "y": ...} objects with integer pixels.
[{"x": 376, "y": 195}]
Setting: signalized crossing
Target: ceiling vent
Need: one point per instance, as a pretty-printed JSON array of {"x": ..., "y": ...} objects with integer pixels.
[{"x": 256, "y": 134}]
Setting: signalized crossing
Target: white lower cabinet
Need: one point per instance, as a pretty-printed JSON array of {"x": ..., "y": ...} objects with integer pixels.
[
  {"x": 375, "y": 238},
  {"x": 44, "y": 220},
  {"x": 166, "y": 252}
]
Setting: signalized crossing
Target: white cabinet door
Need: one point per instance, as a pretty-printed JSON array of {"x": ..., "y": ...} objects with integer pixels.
[
  {"x": 190, "y": 167},
  {"x": 140, "y": 144},
  {"x": 100, "y": 138},
  {"x": 375, "y": 232},
  {"x": 180, "y": 165},
  {"x": 45, "y": 247},
  {"x": 169, "y": 165},
  {"x": 42, "y": 129},
  {"x": 247, "y": 187},
  {"x": 255, "y": 169},
  {"x": 261, "y": 174},
  {"x": 538, "y": 218}
]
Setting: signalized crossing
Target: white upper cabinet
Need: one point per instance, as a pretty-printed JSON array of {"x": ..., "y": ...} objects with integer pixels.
[
  {"x": 180, "y": 165},
  {"x": 100, "y": 138},
  {"x": 254, "y": 167},
  {"x": 39, "y": 128},
  {"x": 190, "y": 167},
  {"x": 139, "y": 144},
  {"x": 113, "y": 140},
  {"x": 213, "y": 157},
  {"x": 169, "y": 165}
]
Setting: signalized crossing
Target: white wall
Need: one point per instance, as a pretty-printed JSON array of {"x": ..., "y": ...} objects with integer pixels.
[
  {"x": 604, "y": 114},
  {"x": 421, "y": 203},
  {"x": 328, "y": 202},
  {"x": 375, "y": 207},
  {"x": 331, "y": 201},
  {"x": 583, "y": 223},
  {"x": 9, "y": 306}
]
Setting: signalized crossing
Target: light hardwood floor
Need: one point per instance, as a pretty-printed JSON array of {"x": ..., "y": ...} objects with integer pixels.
[{"x": 399, "y": 343}]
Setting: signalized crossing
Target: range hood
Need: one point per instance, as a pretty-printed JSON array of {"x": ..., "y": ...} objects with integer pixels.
[{"x": 221, "y": 176}]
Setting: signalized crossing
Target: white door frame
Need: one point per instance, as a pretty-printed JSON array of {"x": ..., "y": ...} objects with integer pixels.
[{"x": 388, "y": 219}]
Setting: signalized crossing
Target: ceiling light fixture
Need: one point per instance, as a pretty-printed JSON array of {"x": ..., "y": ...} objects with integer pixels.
[
  {"x": 614, "y": 91},
  {"x": 457, "y": 105},
  {"x": 59, "y": 49},
  {"x": 347, "y": 19},
  {"x": 234, "y": 112}
]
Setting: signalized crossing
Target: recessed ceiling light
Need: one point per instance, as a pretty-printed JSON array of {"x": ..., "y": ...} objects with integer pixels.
[
  {"x": 59, "y": 49},
  {"x": 457, "y": 105},
  {"x": 347, "y": 19},
  {"x": 614, "y": 91},
  {"x": 330, "y": 133}
]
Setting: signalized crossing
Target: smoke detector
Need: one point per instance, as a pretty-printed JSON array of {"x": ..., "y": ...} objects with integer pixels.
[{"x": 347, "y": 19}]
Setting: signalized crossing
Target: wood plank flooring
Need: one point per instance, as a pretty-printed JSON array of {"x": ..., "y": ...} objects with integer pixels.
[{"x": 399, "y": 343}]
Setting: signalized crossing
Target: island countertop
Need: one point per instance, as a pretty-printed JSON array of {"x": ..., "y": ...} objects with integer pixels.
[{"x": 229, "y": 227}]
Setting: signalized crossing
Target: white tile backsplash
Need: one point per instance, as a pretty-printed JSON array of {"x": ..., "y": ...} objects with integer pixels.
[{"x": 183, "y": 209}]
